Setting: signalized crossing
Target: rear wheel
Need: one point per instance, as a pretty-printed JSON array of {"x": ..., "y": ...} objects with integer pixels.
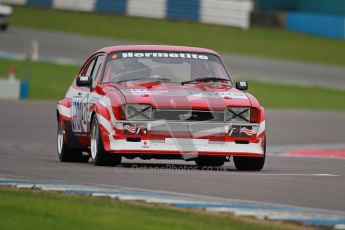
[
  {"x": 250, "y": 163},
  {"x": 4, "y": 27},
  {"x": 65, "y": 153},
  {"x": 203, "y": 161},
  {"x": 98, "y": 154}
]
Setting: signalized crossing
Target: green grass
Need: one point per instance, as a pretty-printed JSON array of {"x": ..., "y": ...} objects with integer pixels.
[
  {"x": 297, "y": 97},
  {"x": 50, "y": 81},
  {"x": 256, "y": 41},
  {"x": 47, "y": 81},
  {"x": 39, "y": 210}
]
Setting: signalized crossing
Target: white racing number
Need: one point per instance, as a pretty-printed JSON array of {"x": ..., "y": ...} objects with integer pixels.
[
  {"x": 81, "y": 112},
  {"x": 80, "y": 109}
]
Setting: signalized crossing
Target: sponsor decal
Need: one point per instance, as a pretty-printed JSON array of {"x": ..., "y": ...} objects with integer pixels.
[
  {"x": 246, "y": 131},
  {"x": 241, "y": 131},
  {"x": 129, "y": 128},
  {"x": 193, "y": 94},
  {"x": 238, "y": 95},
  {"x": 134, "y": 129},
  {"x": 145, "y": 145},
  {"x": 233, "y": 95},
  {"x": 84, "y": 78},
  {"x": 234, "y": 131},
  {"x": 242, "y": 83},
  {"x": 164, "y": 55},
  {"x": 136, "y": 91},
  {"x": 186, "y": 116}
]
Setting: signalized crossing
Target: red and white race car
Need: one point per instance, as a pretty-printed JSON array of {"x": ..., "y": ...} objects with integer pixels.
[
  {"x": 160, "y": 102},
  {"x": 5, "y": 15}
]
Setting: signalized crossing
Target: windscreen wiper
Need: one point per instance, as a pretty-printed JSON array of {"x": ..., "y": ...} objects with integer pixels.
[
  {"x": 133, "y": 79},
  {"x": 116, "y": 82},
  {"x": 204, "y": 79},
  {"x": 145, "y": 78}
]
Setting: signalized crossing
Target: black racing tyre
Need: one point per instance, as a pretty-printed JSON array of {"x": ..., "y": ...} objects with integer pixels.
[
  {"x": 99, "y": 156},
  {"x": 66, "y": 153},
  {"x": 250, "y": 163},
  {"x": 213, "y": 161},
  {"x": 4, "y": 27}
]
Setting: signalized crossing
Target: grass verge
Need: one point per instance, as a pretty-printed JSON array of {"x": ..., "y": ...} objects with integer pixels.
[
  {"x": 256, "y": 41},
  {"x": 273, "y": 95},
  {"x": 47, "y": 81},
  {"x": 51, "y": 81},
  {"x": 27, "y": 209}
]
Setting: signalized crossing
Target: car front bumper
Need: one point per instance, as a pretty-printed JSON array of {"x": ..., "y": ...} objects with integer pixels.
[{"x": 188, "y": 138}]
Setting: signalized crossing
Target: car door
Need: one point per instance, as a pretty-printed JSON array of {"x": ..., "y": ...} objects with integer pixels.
[
  {"x": 93, "y": 96},
  {"x": 82, "y": 99}
]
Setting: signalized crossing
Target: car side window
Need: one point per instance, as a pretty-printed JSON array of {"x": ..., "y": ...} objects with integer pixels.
[
  {"x": 90, "y": 68},
  {"x": 86, "y": 70},
  {"x": 96, "y": 70}
]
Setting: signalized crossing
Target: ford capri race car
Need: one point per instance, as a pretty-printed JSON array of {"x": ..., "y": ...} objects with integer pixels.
[
  {"x": 5, "y": 15},
  {"x": 160, "y": 102}
]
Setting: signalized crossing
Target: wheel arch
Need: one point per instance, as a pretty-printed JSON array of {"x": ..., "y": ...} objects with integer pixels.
[
  {"x": 103, "y": 115},
  {"x": 57, "y": 115},
  {"x": 63, "y": 115},
  {"x": 93, "y": 114}
]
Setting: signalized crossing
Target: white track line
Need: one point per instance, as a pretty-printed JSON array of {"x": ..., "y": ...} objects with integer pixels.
[{"x": 288, "y": 174}]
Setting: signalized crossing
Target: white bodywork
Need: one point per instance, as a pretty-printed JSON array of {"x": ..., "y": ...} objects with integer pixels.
[{"x": 5, "y": 10}]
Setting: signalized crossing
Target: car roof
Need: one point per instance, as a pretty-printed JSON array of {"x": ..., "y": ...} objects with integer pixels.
[{"x": 110, "y": 49}]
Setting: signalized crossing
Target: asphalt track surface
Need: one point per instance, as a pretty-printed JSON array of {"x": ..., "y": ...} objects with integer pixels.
[
  {"x": 27, "y": 140},
  {"x": 58, "y": 44}
]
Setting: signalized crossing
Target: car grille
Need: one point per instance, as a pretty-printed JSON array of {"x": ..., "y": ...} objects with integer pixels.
[
  {"x": 196, "y": 130},
  {"x": 188, "y": 115}
]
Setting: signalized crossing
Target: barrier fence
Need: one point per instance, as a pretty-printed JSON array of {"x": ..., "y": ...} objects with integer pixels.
[
  {"x": 235, "y": 13},
  {"x": 323, "y": 25},
  {"x": 325, "y": 18},
  {"x": 319, "y": 17}
]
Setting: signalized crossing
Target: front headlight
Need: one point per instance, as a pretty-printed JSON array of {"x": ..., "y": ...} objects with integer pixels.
[
  {"x": 137, "y": 112},
  {"x": 238, "y": 114}
]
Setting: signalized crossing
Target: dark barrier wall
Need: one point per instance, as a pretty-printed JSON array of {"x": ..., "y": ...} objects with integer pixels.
[
  {"x": 322, "y": 6},
  {"x": 234, "y": 13},
  {"x": 317, "y": 24},
  {"x": 317, "y": 6},
  {"x": 324, "y": 18},
  {"x": 114, "y": 6},
  {"x": 183, "y": 9},
  {"x": 276, "y": 4},
  {"x": 46, "y": 3}
]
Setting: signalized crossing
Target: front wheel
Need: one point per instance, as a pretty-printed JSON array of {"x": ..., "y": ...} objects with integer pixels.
[
  {"x": 250, "y": 163},
  {"x": 66, "y": 153},
  {"x": 98, "y": 154}
]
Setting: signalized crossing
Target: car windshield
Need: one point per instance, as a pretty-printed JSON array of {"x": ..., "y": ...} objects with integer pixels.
[{"x": 163, "y": 66}]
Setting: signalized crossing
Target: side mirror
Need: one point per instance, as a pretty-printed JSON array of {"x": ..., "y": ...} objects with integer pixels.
[
  {"x": 242, "y": 85},
  {"x": 84, "y": 81}
]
